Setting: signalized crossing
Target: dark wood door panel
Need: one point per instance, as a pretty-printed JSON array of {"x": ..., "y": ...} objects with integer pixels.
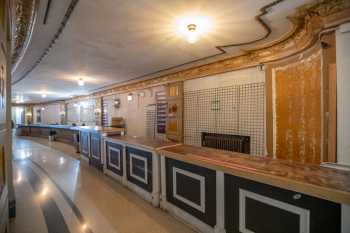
[
  {"x": 95, "y": 145},
  {"x": 262, "y": 208},
  {"x": 139, "y": 168},
  {"x": 192, "y": 189},
  {"x": 84, "y": 140},
  {"x": 114, "y": 158}
]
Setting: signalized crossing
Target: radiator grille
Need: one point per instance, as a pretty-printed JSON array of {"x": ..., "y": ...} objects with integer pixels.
[{"x": 236, "y": 143}]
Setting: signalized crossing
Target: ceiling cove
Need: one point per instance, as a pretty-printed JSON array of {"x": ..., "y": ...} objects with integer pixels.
[
  {"x": 63, "y": 23},
  {"x": 221, "y": 48}
]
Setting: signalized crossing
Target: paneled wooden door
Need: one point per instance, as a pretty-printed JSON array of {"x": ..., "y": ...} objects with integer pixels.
[{"x": 6, "y": 188}]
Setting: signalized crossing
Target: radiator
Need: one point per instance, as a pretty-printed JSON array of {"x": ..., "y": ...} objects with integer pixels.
[{"x": 236, "y": 143}]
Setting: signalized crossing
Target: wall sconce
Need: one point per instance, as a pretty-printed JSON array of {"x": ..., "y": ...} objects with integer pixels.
[
  {"x": 97, "y": 110},
  {"x": 130, "y": 97},
  {"x": 142, "y": 94},
  {"x": 117, "y": 103},
  {"x": 29, "y": 114},
  {"x": 62, "y": 113},
  {"x": 42, "y": 109}
]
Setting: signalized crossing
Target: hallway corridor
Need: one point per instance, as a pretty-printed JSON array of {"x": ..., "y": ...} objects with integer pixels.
[{"x": 56, "y": 193}]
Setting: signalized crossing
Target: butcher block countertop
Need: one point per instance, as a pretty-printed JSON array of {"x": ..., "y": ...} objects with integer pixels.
[
  {"x": 151, "y": 144},
  {"x": 326, "y": 183}
]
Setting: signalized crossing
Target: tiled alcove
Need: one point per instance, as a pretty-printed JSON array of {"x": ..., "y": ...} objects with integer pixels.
[{"x": 226, "y": 104}]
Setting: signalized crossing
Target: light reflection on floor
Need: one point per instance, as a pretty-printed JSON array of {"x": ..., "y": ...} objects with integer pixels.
[{"x": 105, "y": 205}]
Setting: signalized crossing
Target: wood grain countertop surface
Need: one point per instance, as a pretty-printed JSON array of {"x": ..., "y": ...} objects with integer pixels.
[
  {"x": 101, "y": 129},
  {"x": 151, "y": 144},
  {"x": 322, "y": 182},
  {"x": 53, "y": 126}
]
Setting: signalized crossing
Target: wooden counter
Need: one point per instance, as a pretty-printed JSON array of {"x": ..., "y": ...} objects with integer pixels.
[
  {"x": 44, "y": 126},
  {"x": 151, "y": 144},
  {"x": 63, "y": 133},
  {"x": 100, "y": 129},
  {"x": 326, "y": 183},
  {"x": 91, "y": 142},
  {"x": 134, "y": 162}
]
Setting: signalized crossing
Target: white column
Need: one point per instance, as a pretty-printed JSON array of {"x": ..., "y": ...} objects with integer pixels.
[
  {"x": 220, "y": 203},
  {"x": 345, "y": 216},
  {"x": 343, "y": 93},
  {"x": 124, "y": 179},
  {"x": 163, "y": 183},
  {"x": 156, "y": 179}
]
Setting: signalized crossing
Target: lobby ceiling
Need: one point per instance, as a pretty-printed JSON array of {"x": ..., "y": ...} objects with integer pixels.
[{"x": 113, "y": 41}]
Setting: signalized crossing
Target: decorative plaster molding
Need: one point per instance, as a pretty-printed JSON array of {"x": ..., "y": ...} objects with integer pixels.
[
  {"x": 309, "y": 21},
  {"x": 259, "y": 18},
  {"x": 24, "y": 20},
  {"x": 53, "y": 41}
]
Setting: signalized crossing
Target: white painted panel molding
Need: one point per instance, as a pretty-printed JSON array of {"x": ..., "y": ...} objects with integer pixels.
[
  {"x": 201, "y": 179},
  {"x": 144, "y": 160},
  {"x": 304, "y": 214},
  {"x": 110, "y": 149},
  {"x": 343, "y": 93}
]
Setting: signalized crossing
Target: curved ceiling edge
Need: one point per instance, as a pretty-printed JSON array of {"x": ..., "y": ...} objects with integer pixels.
[
  {"x": 309, "y": 21},
  {"x": 262, "y": 12},
  {"x": 26, "y": 14},
  {"x": 66, "y": 17}
]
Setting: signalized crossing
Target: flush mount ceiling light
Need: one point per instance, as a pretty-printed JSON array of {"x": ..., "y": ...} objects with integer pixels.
[
  {"x": 193, "y": 27},
  {"x": 192, "y": 36},
  {"x": 81, "y": 82}
]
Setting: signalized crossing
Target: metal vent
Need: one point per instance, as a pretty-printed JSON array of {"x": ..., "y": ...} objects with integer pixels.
[{"x": 236, "y": 143}]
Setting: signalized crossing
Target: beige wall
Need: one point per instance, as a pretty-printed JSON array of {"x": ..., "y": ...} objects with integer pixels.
[
  {"x": 135, "y": 111},
  {"x": 50, "y": 114},
  {"x": 81, "y": 112}
]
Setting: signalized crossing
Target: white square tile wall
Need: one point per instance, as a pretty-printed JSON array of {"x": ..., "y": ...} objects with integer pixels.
[{"x": 232, "y": 103}]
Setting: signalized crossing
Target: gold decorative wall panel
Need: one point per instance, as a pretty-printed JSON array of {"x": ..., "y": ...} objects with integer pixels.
[
  {"x": 174, "y": 128},
  {"x": 297, "y": 110}
]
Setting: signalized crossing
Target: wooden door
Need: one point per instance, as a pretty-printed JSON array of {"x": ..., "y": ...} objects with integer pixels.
[{"x": 6, "y": 188}]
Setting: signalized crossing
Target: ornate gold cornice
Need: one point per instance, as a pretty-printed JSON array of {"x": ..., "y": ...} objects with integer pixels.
[
  {"x": 308, "y": 22},
  {"x": 41, "y": 103},
  {"x": 63, "y": 23},
  {"x": 23, "y": 21},
  {"x": 221, "y": 48}
]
